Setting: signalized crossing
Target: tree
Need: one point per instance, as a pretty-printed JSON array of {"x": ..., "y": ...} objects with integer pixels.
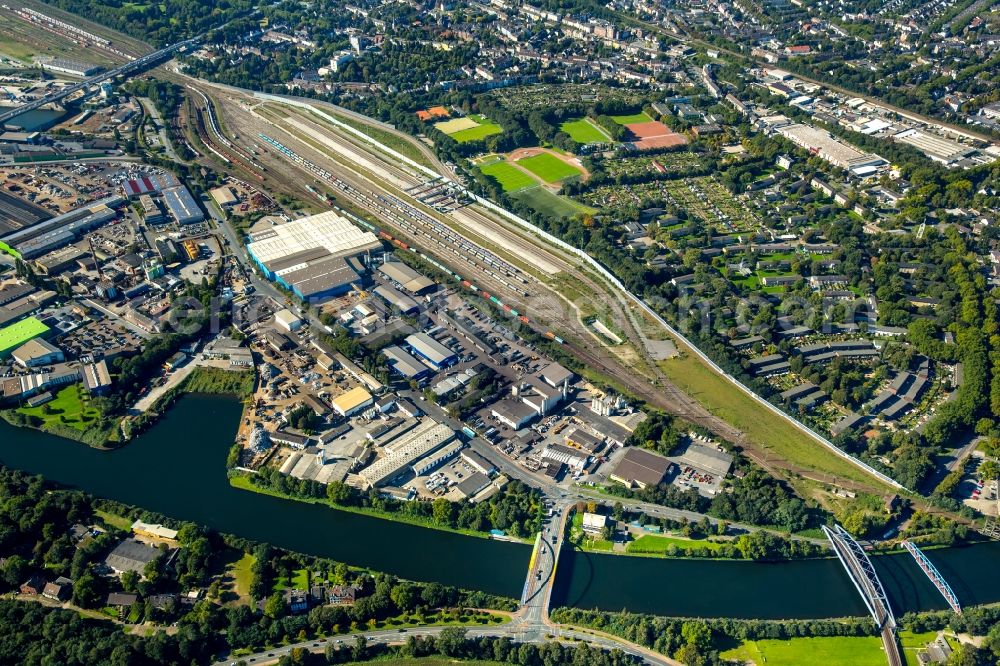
[
  {"x": 275, "y": 606},
  {"x": 451, "y": 641},
  {"x": 442, "y": 512},
  {"x": 88, "y": 592},
  {"x": 130, "y": 581},
  {"x": 359, "y": 648},
  {"x": 697, "y": 634}
]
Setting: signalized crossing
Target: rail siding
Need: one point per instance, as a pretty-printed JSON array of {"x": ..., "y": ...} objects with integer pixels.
[{"x": 597, "y": 266}]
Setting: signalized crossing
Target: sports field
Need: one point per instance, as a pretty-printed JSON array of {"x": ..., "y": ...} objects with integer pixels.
[
  {"x": 15, "y": 335},
  {"x": 826, "y": 651},
  {"x": 582, "y": 130},
  {"x": 511, "y": 178},
  {"x": 632, "y": 118},
  {"x": 548, "y": 167},
  {"x": 471, "y": 128},
  {"x": 547, "y": 203}
]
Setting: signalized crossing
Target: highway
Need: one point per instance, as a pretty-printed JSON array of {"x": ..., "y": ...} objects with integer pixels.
[{"x": 128, "y": 68}]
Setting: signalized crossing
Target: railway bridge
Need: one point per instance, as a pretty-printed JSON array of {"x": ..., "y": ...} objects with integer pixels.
[
  {"x": 932, "y": 572},
  {"x": 862, "y": 573}
]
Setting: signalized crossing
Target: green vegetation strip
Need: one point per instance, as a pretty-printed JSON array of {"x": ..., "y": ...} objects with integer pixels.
[
  {"x": 763, "y": 429},
  {"x": 651, "y": 543},
  {"x": 632, "y": 118},
  {"x": 244, "y": 482},
  {"x": 826, "y": 651}
]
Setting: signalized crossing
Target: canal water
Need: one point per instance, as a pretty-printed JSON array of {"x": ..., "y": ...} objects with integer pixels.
[
  {"x": 178, "y": 468},
  {"x": 36, "y": 120}
]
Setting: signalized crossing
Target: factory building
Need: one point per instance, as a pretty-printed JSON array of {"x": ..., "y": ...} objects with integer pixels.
[
  {"x": 317, "y": 257},
  {"x": 36, "y": 240},
  {"x": 403, "y": 363},
  {"x": 431, "y": 351},
  {"x": 15, "y": 335},
  {"x": 407, "y": 278},
  {"x": 182, "y": 206},
  {"x": 71, "y": 67},
  {"x": 407, "y": 451},
  {"x": 396, "y": 299},
  {"x": 352, "y": 401},
  {"x": 822, "y": 143}
]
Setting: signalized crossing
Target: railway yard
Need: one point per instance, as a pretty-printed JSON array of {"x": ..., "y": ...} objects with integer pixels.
[{"x": 426, "y": 213}]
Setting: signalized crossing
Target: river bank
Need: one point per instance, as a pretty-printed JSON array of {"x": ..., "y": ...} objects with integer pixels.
[
  {"x": 243, "y": 481},
  {"x": 177, "y": 468}
]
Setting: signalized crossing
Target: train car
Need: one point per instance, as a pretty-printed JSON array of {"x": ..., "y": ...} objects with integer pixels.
[
  {"x": 550, "y": 335},
  {"x": 558, "y": 339},
  {"x": 466, "y": 284},
  {"x": 524, "y": 320}
]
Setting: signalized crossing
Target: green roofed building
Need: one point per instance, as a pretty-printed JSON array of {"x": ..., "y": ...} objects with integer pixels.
[{"x": 15, "y": 335}]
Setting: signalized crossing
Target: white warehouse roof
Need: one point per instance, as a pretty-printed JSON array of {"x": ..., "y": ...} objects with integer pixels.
[{"x": 326, "y": 230}]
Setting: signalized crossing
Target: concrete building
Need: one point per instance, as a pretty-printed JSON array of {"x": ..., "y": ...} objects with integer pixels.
[
  {"x": 407, "y": 450},
  {"x": 37, "y": 352},
  {"x": 641, "y": 468},
  {"x": 182, "y": 205},
  {"x": 288, "y": 320},
  {"x": 96, "y": 377},
  {"x": 513, "y": 414},
  {"x": 403, "y": 363},
  {"x": 352, "y": 401},
  {"x": 76, "y": 68},
  {"x": 573, "y": 458},
  {"x": 431, "y": 351},
  {"x": 594, "y": 523},
  {"x": 317, "y": 257},
  {"x": 130, "y": 555},
  {"x": 822, "y": 143},
  {"x": 15, "y": 335},
  {"x": 407, "y": 278}
]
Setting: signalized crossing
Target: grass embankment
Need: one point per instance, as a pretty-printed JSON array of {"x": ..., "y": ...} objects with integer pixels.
[
  {"x": 653, "y": 544},
  {"x": 827, "y": 651},
  {"x": 386, "y": 138},
  {"x": 69, "y": 415},
  {"x": 428, "y": 661},
  {"x": 545, "y": 202},
  {"x": 243, "y": 482},
  {"x": 632, "y": 118},
  {"x": 763, "y": 429}
]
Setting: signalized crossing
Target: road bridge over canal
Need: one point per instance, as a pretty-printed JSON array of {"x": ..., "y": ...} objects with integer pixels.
[{"x": 862, "y": 573}]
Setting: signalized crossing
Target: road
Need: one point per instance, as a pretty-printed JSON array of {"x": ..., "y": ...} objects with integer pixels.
[
  {"x": 530, "y": 624},
  {"x": 128, "y": 68},
  {"x": 161, "y": 129}
]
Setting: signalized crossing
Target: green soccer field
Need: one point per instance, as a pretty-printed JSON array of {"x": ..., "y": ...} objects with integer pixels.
[
  {"x": 582, "y": 130},
  {"x": 632, "y": 118},
  {"x": 484, "y": 129},
  {"x": 511, "y": 178},
  {"x": 549, "y": 168}
]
